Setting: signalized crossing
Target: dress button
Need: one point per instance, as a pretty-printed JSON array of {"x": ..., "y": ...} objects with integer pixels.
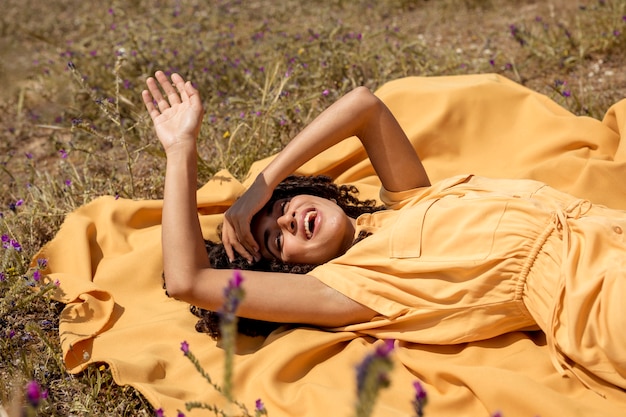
[{"x": 617, "y": 230}]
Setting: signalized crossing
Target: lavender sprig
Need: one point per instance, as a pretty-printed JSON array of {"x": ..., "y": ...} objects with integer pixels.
[
  {"x": 233, "y": 295},
  {"x": 419, "y": 401},
  {"x": 372, "y": 376}
]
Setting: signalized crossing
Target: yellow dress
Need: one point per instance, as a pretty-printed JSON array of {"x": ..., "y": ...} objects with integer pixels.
[{"x": 471, "y": 258}]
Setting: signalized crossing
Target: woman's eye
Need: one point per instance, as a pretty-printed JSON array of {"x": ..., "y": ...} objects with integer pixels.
[
  {"x": 283, "y": 205},
  {"x": 279, "y": 242}
]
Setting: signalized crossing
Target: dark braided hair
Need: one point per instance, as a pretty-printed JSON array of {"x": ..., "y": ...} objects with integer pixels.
[{"x": 345, "y": 196}]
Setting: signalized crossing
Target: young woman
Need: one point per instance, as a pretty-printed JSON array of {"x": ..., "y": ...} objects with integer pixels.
[
  {"x": 465, "y": 259},
  {"x": 346, "y": 197},
  {"x": 271, "y": 297}
]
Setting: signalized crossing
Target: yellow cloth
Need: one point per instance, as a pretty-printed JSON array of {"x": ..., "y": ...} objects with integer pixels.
[
  {"x": 465, "y": 260},
  {"x": 107, "y": 258}
]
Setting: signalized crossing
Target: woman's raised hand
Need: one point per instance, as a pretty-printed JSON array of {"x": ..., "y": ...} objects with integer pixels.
[
  {"x": 176, "y": 114},
  {"x": 236, "y": 233}
]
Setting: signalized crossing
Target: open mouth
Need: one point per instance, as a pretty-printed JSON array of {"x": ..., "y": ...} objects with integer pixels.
[{"x": 309, "y": 223}]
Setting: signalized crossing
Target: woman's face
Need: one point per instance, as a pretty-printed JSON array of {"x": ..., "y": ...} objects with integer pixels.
[{"x": 304, "y": 229}]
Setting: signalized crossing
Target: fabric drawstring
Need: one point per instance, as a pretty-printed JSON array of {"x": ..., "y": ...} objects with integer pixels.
[{"x": 574, "y": 211}]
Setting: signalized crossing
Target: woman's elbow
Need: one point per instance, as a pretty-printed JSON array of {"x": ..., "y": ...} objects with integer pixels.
[
  {"x": 369, "y": 106},
  {"x": 178, "y": 287},
  {"x": 365, "y": 96}
]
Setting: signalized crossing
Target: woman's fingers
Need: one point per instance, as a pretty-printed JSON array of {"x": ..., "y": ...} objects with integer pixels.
[
  {"x": 245, "y": 238},
  {"x": 148, "y": 101},
  {"x": 231, "y": 243},
  {"x": 157, "y": 96},
  {"x": 179, "y": 83},
  {"x": 173, "y": 96}
]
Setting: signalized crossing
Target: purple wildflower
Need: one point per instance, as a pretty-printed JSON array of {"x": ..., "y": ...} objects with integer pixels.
[
  {"x": 372, "y": 376},
  {"x": 236, "y": 280},
  {"x": 385, "y": 349},
  {"x": 3, "y": 277},
  {"x": 180, "y": 414},
  {"x": 325, "y": 92},
  {"x": 63, "y": 152},
  {"x": 420, "y": 399},
  {"x": 420, "y": 392},
  {"x": 159, "y": 413},
  {"x": 68, "y": 183},
  {"x": 381, "y": 352},
  {"x": 515, "y": 32},
  {"x": 259, "y": 408},
  {"x": 34, "y": 393},
  {"x": 37, "y": 275},
  {"x": 233, "y": 294},
  {"x": 19, "y": 202},
  {"x": 16, "y": 245},
  {"x": 29, "y": 155},
  {"x": 42, "y": 263},
  {"x": 184, "y": 346}
]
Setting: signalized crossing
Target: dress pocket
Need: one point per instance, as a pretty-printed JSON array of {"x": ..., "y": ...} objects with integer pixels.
[{"x": 448, "y": 229}]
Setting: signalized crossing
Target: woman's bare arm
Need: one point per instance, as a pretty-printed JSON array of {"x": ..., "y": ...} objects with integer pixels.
[
  {"x": 359, "y": 113},
  {"x": 277, "y": 297}
]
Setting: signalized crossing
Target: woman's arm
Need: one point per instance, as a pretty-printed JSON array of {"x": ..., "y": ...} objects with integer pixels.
[
  {"x": 270, "y": 296},
  {"x": 359, "y": 113},
  {"x": 177, "y": 117}
]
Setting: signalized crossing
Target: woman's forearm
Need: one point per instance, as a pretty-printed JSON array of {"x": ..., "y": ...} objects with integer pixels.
[
  {"x": 361, "y": 114},
  {"x": 184, "y": 253}
]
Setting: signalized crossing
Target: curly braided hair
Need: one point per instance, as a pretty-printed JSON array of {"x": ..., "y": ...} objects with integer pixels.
[{"x": 345, "y": 196}]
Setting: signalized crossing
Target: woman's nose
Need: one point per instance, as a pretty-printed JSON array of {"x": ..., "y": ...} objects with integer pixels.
[{"x": 288, "y": 222}]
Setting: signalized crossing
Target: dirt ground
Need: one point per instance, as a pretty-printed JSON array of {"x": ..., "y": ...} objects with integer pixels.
[{"x": 475, "y": 26}]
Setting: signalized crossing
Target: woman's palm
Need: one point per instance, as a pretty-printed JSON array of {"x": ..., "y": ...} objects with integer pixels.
[{"x": 177, "y": 115}]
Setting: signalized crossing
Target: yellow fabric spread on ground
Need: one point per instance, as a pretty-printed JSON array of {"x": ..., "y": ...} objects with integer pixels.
[{"x": 107, "y": 258}]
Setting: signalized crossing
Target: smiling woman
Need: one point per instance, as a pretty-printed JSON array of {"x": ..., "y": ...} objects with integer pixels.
[
  {"x": 305, "y": 229},
  {"x": 465, "y": 259},
  {"x": 322, "y": 187}
]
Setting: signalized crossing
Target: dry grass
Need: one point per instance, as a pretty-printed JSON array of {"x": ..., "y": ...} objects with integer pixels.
[{"x": 266, "y": 69}]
